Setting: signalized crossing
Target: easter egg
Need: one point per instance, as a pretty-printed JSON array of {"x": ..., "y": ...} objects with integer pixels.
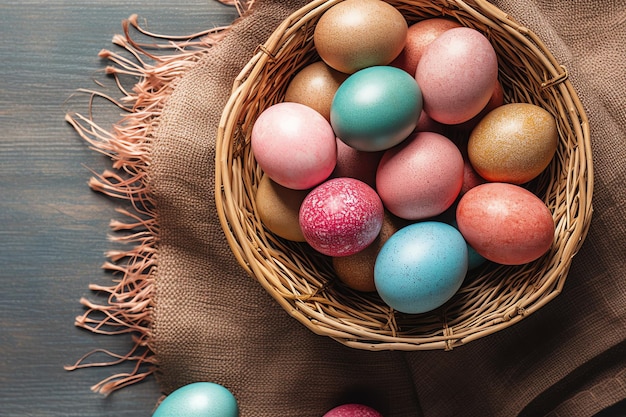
[
  {"x": 513, "y": 143},
  {"x": 457, "y": 74},
  {"x": 352, "y": 410},
  {"x": 357, "y": 271},
  {"x": 421, "y": 177},
  {"x": 505, "y": 223},
  {"x": 355, "y": 34},
  {"x": 278, "y": 208},
  {"x": 294, "y": 145},
  {"x": 419, "y": 35},
  {"x": 356, "y": 164},
  {"x": 199, "y": 399},
  {"x": 421, "y": 267},
  {"x": 340, "y": 217},
  {"x": 376, "y": 108},
  {"x": 315, "y": 86}
]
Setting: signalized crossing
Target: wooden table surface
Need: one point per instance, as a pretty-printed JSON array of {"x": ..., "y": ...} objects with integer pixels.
[{"x": 53, "y": 228}]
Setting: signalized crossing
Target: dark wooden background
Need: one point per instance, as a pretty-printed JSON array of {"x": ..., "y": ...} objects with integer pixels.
[{"x": 53, "y": 228}]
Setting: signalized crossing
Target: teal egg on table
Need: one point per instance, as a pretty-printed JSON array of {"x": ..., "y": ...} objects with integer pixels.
[
  {"x": 421, "y": 267},
  {"x": 376, "y": 108},
  {"x": 199, "y": 399}
]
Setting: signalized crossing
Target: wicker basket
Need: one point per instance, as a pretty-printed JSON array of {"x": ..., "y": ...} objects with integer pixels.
[{"x": 303, "y": 281}]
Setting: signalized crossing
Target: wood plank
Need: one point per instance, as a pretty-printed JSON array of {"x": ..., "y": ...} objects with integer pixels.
[{"x": 53, "y": 229}]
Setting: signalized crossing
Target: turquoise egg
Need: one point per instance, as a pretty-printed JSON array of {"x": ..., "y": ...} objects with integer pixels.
[
  {"x": 376, "y": 108},
  {"x": 421, "y": 266},
  {"x": 199, "y": 399}
]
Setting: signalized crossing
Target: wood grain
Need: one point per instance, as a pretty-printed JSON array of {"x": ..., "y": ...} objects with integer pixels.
[{"x": 53, "y": 229}]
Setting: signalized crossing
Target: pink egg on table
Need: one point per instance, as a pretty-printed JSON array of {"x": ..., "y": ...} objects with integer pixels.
[
  {"x": 294, "y": 145},
  {"x": 505, "y": 223},
  {"x": 457, "y": 75},
  {"x": 421, "y": 177},
  {"x": 341, "y": 216},
  {"x": 356, "y": 164},
  {"x": 352, "y": 410}
]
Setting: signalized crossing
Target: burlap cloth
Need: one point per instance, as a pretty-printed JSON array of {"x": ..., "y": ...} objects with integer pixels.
[{"x": 210, "y": 321}]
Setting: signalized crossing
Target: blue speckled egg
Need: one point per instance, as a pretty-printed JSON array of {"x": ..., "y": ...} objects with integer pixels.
[
  {"x": 376, "y": 108},
  {"x": 199, "y": 399},
  {"x": 421, "y": 267}
]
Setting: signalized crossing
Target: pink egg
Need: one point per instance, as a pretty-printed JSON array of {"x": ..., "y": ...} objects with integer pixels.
[
  {"x": 421, "y": 177},
  {"x": 418, "y": 37},
  {"x": 341, "y": 217},
  {"x": 505, "y": 223},
  {"x": 356, "y": 164},
  {"x": 294, "y": 145},
  {"x": 352, "y": 410},
  {"x": 457, "y": 75}
]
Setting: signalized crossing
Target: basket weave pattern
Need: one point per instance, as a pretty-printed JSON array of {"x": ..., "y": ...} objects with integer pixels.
[{"x": 491, "y": 298}]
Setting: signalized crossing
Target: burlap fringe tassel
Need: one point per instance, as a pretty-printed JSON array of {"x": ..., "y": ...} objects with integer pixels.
[{"x": 128, "y": 308}]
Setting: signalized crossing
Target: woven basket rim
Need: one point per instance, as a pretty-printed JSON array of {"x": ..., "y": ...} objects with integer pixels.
[{"x": 308, "y": 300}]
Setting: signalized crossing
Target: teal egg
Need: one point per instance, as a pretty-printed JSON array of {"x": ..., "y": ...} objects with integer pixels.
[
  {"x": 421, "y": 266},
  {"x": 199, "y": 399},
  {"x": 376, "y": 108}
]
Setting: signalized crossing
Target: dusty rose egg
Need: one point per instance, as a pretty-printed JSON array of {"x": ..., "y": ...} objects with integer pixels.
[
  {"x": 420, "y": 35},
  {"x": 356, "y": 164},
  {"x": 505, "y": 223},
  {"x": 315, "y": 86},
  {"x": 457, "y": 74},
  {"x": 352, "y": 410},
  {"x": 340, "y": 217},
  {"x": 421, "y": 177},
  {"x": 294, "y": 145},
  {"x": 355, "y": 34}
]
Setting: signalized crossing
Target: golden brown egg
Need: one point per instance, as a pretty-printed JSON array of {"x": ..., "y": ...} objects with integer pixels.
[
  {"x": 513, "y": 143},
  {"x": 356, "y": 34},
  {"x": 315, "y": 86},
  {"x": 278, "y": 209},
  {"x": 357, "y": 271}
]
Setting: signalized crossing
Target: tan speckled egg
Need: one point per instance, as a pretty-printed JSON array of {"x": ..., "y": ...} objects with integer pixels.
[
  {"x": 513, "y": 143},
  {"x": 356, "y": 34},
  {"x": 357, "y": 271},
  {"x": 278, "y": 209},
  {"x": 315, "y": 86}
]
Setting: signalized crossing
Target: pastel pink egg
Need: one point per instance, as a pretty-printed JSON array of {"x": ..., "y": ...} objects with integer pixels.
[
  {"x": 294, "y": 145},
  {"x": 457, "y": 74},
  {"x": 353, "y": 410},
  {"x": 418, "y": 37},
  {"x": 421, "y": 177},
  {"x": 505, "y": 223},
  {"x": 341, "y": 217}
]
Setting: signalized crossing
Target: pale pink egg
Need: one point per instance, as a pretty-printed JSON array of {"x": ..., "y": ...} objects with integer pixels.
[
  {"x": 352, "y": 410},
  {"x": 341, "y": 217},
  {"x": 457, "y": 75},
  {"x": 294, "y": 145},
  {"x": 421, "y": 177},
  {"x": 505, "y": 223}
]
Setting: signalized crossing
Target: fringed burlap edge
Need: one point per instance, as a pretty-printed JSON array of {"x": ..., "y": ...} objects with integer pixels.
[{"x": 156, "y": 67}]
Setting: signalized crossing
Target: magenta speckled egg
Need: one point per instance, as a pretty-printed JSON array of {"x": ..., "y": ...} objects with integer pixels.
[
  {"x": 457, "y": 74},
  {"x": 352, "y": 410},
  {"x": 341, "y": 216},
  {"x": 505, "y": 223},
  {"x": 294, "y": 145},
  {"x": 421, "y": 177}
]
